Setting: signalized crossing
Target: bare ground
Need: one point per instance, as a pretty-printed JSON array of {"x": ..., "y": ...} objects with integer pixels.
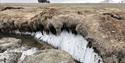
[{"x": 103, "y": 25}]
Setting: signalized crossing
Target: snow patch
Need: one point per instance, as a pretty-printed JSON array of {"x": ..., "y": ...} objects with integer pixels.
[{"x": 87, "y": 1}]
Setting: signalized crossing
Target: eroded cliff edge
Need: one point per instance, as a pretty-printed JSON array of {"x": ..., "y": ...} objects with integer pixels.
[{"x": 104, "y": 28}]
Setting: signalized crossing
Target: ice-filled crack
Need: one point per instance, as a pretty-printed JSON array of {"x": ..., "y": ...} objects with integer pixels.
[{"x": 75, "y": 45}]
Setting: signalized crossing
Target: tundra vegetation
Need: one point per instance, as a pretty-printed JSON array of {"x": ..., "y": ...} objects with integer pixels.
[{"x": 102, "y": 26}]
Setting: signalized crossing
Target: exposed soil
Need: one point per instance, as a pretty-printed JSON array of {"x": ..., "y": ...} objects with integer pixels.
[{"x": 104, "y": 26}]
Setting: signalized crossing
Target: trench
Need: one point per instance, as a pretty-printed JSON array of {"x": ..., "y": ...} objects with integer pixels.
[
  {"x": 75, "y": 44},
  {"x": 68, "y": 39}
]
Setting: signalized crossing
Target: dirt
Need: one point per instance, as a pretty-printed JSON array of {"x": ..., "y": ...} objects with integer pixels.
[{"x": 104, "y": 26}]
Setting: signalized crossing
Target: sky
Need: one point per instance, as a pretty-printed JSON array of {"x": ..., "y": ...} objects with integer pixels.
[
  {"x": 18, "y": 1},
  {"x": 63, "y": 1}
]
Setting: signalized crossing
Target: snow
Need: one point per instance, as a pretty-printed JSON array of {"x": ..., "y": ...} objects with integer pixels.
[
  {"x": 75, "y": 45},
  {"x": 86, "y": 1}
]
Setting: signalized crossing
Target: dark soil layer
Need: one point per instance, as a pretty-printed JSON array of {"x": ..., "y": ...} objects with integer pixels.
[{"x": 29, "y": 41}]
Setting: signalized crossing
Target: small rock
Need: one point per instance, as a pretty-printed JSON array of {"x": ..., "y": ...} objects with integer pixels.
[
  {"x": 49, "y": 56},
  {"x": 9, "y": 57},
  {"x": 9, "y": 42},
  {"x": 27, "y": 53}
]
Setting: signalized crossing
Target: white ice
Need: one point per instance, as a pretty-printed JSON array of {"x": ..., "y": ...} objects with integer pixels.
[
  {"x": 75, "y": 45},
  {"x": 86, "y": 1}
]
